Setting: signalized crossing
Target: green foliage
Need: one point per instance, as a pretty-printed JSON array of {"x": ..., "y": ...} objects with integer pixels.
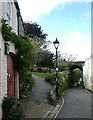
[
  {"x": 60, "y": 85},
  {"x": 6, "y": 30},
  {"x": 63, "y": 65},
  {"x": 22, "y": 44},
  {"x": 47, "y": 59},
  {"x": 36, "y": 58},
  {"x": 7, "y": 104},
  {"x": 23, "y": 55},
  {"x": 34, "y": 30},
  {"x": 41, "y": 57},
  {"x": 12, "y": 110},
  {"x": 27, "y": 82},
  {"x": 51, "y": 79},
  {"x": 24, "y": 47},
  {"x": 64, "y": 79},
  {"x": 28, "y": 53},
  {"x": 76, "y": 75}
]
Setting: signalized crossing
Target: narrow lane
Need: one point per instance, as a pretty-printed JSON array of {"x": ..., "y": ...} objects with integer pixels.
[
  {"x": 77, "y": 104},
  {"x": 37, "y": 106},
  {"x": 40, "y": 91}
]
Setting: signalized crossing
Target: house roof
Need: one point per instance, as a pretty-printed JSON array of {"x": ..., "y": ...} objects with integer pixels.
[{"x": 18, "y": 9}]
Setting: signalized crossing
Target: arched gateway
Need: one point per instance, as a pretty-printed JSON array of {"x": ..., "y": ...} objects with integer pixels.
[{"x": 79, "y": 65}]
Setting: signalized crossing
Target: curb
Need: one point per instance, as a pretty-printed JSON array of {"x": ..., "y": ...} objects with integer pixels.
[
  {"x": 54, "y": 111},
  {"x": 59, "y": 109},
  {"x": 87, "y": 91},
  {"x": 45, "y": 116}
]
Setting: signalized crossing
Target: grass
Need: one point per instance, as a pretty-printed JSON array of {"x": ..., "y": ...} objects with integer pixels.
[{"x": 41, "y": 74}]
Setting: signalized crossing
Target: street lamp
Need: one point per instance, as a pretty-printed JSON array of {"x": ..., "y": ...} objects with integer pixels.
[{"x": 56, "y": 45}]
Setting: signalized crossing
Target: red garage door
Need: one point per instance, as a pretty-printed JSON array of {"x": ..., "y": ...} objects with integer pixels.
[{"x": 10, "y": 76}]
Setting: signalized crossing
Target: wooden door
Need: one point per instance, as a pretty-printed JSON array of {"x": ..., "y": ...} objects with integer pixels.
[{"x": 10, "y": 76}]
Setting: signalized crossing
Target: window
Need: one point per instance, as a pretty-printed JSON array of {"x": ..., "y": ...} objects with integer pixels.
[{"x": 8, "y": 12}]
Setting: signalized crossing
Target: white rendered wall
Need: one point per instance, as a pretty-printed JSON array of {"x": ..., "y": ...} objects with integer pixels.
[{"x": 3, "y": 57}]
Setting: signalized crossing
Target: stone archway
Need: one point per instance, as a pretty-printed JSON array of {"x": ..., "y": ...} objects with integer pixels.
[{"x": 81, "y": 69}]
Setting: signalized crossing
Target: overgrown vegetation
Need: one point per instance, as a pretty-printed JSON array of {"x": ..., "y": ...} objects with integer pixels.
[
  {"x": 29, "y": 53},
  {"x": 51, "y": 78},
  {"x": 76, "y": 75},
  {"x": 63, "y": 65},
  {"x": 63, "y": 81},
  {"x": 22, "y": 58},
  {"x": 12, "y": 109},
  {"x": 34, "y": 30},
  {"x": 41, "y": 56}
]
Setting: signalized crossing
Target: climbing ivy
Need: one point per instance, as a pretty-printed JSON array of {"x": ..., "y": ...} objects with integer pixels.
[
  {"x": 7, "y": 33},
  {"x": 22, "y": 58}
]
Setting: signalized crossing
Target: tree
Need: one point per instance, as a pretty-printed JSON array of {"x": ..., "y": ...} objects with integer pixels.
[
  {"x": 34, "y": 30},
  {"x": 36, "y": 53},
  {"x": 47, "y": 59},
  {"x": 63, "y": 65},
  {"x": 41, "y": 57},
  {"x": 68, "y": 57}
]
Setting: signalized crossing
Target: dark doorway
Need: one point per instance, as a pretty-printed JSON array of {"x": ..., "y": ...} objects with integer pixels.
[{"x": 10, "y": 76}]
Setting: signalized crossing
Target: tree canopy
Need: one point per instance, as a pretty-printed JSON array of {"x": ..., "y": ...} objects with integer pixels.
[
  {"x": 32, "y": 29},
  {"x": 40, "y": 55},
  {"x": 47, "y": 60}
]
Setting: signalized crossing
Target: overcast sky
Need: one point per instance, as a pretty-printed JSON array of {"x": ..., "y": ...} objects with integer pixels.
[{"x": 68, "y": 20}]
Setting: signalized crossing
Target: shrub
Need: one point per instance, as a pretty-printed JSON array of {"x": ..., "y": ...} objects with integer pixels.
[
  {"x": 51, "y": 78},
  {"x": 12, "y": 110},
  {"x": 27, "y": 83},
  {"x": 8, "y": 102}
]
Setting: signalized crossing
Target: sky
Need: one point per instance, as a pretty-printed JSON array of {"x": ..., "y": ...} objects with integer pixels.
[{"x": 67, "y": 20}]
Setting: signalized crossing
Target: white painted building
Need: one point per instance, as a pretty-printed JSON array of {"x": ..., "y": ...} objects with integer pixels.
[
  {"x": 9, "y": 78},
  {"x": 88, "y": 73}
]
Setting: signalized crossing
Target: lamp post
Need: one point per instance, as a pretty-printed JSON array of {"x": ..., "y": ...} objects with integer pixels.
[{"x": 56, "y": 45}]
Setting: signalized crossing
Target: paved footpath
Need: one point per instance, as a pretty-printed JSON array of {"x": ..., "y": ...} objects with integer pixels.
[
  {"x": 77, "y": 104},
  {"x": 40, "y": 91},
  {"x": 38, "y": 106}
]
